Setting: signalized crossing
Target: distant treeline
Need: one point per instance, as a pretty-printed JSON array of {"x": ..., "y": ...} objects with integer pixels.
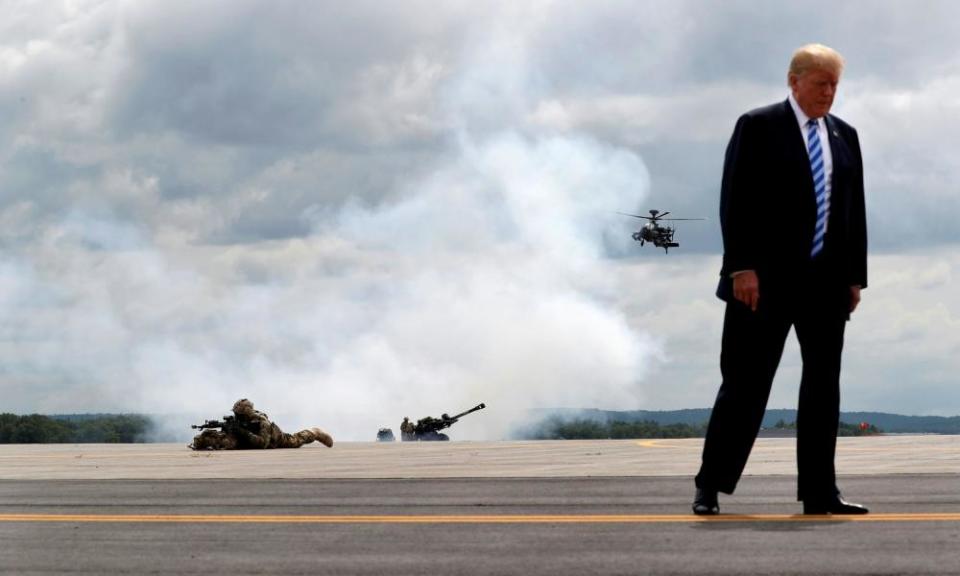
[
  {"x": 556, "y": 428},
  {"x": 889, "y": 423},
  {"x": 73, "y": 429},
  {"x": 560, "y": 428},
  {"x": 845, "y": 429}
]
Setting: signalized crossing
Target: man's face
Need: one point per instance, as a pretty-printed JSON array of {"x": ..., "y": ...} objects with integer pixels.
[{"x": 814, "y": 91}]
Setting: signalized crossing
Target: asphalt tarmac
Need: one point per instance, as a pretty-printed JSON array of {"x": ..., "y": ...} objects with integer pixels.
[{"x": 146, "y": 510}]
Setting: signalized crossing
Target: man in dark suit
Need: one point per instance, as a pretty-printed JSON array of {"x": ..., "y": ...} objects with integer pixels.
[{"x": 795, "y": 255}]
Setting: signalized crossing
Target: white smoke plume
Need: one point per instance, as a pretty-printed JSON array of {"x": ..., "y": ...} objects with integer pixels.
[{"x": 486, "y": 278}]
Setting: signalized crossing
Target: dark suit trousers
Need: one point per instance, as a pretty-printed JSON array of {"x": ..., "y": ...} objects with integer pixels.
[{"x": 751, "y": 349}]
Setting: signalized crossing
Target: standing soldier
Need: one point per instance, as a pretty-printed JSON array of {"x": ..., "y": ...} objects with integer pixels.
[
  {"x": 252, "y": 429},
  {"x": 407, "y": 430}
]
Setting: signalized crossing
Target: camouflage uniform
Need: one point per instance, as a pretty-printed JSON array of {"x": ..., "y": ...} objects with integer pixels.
[
  {"x": 254, "y": 430},
  {"x": 214, "y": 440},
  {"x": 407, "y": 430}
]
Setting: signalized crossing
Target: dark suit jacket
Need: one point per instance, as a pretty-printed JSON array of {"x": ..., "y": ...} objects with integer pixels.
[{"x": 768, "y": 208}]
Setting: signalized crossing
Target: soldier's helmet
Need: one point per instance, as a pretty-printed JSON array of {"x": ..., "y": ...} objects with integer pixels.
[{"x": 243, "y": 406}]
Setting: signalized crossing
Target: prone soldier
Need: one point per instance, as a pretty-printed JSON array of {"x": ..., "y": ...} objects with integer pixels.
[{"x": 252, "y": 429}]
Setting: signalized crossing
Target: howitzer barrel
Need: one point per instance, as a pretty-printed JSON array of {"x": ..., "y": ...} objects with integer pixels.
[
  {"x": 429, "y": 428},
  {"x": 479, "y": 406}
]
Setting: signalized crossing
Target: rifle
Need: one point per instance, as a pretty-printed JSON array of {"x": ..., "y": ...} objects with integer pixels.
[{"x": 228, "y": 423}]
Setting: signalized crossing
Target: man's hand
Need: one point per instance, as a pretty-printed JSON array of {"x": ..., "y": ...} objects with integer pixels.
[
  {"x": 854, "y": 298},
  {"x": 746, "y": 288}
]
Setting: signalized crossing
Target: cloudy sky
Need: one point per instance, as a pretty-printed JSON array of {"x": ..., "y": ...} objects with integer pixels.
[{"x": 351, "y": 212}]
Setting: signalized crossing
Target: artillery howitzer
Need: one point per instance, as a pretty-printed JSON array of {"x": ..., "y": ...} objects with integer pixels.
[{"x": 429, "y": 428}]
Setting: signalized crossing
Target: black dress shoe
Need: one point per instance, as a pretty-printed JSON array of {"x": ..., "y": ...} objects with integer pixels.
[
  {"x": 705, "y": 503},
  {"x": 835, "y": 505}
]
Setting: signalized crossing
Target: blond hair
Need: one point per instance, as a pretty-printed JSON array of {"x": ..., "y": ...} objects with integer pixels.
[{"x": 815, "y": 57}]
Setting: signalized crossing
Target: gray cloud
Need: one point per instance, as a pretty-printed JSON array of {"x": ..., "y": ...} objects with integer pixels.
[
  {"x": 355, "y": 210},
  {"x": 285, "y": 270}
]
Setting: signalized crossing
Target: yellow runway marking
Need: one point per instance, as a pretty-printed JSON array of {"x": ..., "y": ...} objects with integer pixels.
[
  {"x": 471, "y": 519},
  {"x": 663, "y": 443}
]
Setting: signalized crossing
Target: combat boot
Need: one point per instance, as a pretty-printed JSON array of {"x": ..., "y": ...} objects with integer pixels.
[{"x": 322, "y": 437}]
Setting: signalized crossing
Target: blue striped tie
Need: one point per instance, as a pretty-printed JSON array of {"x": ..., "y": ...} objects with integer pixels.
[{"x": 819, "y": 186}]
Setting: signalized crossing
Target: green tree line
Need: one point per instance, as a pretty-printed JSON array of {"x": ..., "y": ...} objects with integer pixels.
[
  {"x": 586, "y": 429},
  {"x": 39, "y": 429},
  {"x": 844, "y": 429},
  {"x": 557, "y": 428}
]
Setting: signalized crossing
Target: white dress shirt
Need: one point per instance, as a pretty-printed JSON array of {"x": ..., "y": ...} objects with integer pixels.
[{"x": 802, "y": 120}]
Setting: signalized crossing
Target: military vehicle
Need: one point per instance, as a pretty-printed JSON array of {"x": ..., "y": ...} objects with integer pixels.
[
  {"x": 428, "y": 429},
  {"x": 385, "y": 435}
]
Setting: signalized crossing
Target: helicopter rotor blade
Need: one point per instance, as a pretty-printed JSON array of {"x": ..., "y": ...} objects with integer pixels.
[
  {"x": 681, "y": 218},
  {"x": 636, "y": 216},
  {"x": 661, "y": 215}
]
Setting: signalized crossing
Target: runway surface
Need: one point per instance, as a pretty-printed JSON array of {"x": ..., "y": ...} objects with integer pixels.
[{"x": 474, "y": 508}]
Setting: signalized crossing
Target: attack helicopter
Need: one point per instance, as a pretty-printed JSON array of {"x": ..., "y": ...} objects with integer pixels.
[{"x": 659, "y": 236}]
